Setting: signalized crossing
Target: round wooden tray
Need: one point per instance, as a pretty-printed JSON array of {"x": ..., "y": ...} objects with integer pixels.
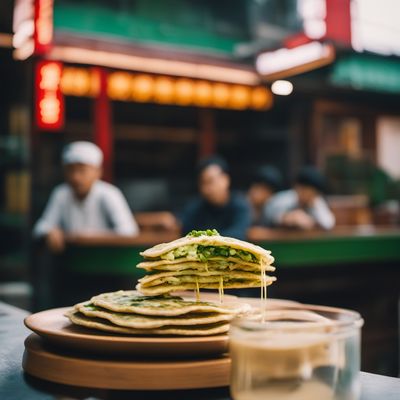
[
  {"x": 115, "y": 373},
  {"x": 57, "y": 329}
]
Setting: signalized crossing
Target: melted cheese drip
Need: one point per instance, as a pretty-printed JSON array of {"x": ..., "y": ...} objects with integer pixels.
[
  {"x": 197, "y": 290},
  {"x": 264, "y": 285},
  {"x": 221, "y": 289}
]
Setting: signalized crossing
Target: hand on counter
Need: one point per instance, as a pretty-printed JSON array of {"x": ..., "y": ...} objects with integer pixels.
[
  {"x": 259, "y": 233},
  {"x": 158, "y": 219},
  {"x": 55, "y": 240},
  {"x": 298, "y": 219}
]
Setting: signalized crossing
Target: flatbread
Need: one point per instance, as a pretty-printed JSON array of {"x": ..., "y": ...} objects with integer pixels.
[
  {"x": 217, "y": 263},
  {"x": 101, "y": 324},
  {"x": 138, "y": 321},
  {"x": 132, "y": 301},
  {"x": 204, "y": 261},
  {"x": 167, "y": 288},
  {"x": 156, "y": 251},
  {"x": 193, "y": 276}
]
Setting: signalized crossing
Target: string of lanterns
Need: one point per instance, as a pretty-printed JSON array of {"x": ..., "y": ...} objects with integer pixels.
[{"x": 144, "y": 88}]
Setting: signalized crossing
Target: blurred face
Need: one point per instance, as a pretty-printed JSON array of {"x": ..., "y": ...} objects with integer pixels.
[
  {"x": 259, "y": 194},
  {"x": 306, "y": 194},
  {"x": 214, "y": 185},
  {"x": 81, "y": 178}
]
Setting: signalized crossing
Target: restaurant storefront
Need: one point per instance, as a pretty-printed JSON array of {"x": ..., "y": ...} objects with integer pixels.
[{"x": 156, "y": 95}]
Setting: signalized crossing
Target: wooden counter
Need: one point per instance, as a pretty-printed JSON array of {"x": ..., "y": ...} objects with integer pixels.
[{"x": 119, "y": 255}]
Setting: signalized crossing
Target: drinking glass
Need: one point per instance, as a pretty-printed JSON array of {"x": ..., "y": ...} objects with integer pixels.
[{"x": 295, "y": 353}]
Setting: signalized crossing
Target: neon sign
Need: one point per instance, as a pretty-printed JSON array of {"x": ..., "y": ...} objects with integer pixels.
[
  {"x": 49, "y": 101},
  {"x": 43, "y": 34}
]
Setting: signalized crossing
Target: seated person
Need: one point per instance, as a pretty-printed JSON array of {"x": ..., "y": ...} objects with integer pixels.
[
  {"x": 84, "y": 204},
  {"x": 217, "y": 207},
  {"x": 264, "y": 184},
  {"x": 302, "y": 207}
]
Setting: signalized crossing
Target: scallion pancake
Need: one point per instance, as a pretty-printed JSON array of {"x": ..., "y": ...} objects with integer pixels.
[
  {"x": 193, "y": 276},
  {"x": 104, "y": 325},
  {"x": 132, "y": 301},
  {"x": 204, "y": 259},
  {"x": 218, "y": 263},
  {"x": 203, "y": 247},
  {"x": 138, "y": 321},
  {"x": 226, "y": 284}
]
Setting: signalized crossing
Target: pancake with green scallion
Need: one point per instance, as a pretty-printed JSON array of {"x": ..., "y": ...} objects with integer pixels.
[
  {"x": 138, "y": 321},
  {"x": 131, "y": 301},
  {"x": 101, "y": 324},
  {"x": 204, "y": 259}
]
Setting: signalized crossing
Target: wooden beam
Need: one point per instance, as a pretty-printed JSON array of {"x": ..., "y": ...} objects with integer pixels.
[
  {"x": 207, "y": 135},
  {"x": 103, "y": 135}
]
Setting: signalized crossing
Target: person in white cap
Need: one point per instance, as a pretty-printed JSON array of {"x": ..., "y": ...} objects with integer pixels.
[{"x": 84, "y": 204}]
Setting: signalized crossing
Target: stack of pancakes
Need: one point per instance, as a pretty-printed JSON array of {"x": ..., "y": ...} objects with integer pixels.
[
  {"x": 130, "y": 312},
  {"x": 204, "y": 259}
]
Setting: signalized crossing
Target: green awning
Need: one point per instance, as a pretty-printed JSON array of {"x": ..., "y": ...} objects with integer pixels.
[
  {"x": 367, "y": 72},
  {"x": 207, "y": 28}
]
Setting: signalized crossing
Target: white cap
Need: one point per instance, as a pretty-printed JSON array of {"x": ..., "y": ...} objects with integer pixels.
[{"x": 82, "y": 153}]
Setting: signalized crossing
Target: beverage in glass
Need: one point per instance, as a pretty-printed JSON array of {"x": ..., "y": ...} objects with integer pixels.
[{"x": 299, "y": 352}]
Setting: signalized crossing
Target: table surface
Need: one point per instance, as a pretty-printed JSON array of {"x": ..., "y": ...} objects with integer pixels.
[{"x": 14, "y": 384}]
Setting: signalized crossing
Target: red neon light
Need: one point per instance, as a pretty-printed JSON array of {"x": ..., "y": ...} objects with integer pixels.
[
  {"x": 43, "y": 33},
  {"x": 338, "y": 22},
  {"x": 49, "y": 101}
]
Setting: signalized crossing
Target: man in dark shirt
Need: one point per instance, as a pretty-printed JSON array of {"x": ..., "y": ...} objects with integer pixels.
[
  {"x": 263, "y": 185},
  {"x": 217, "y": 207}
]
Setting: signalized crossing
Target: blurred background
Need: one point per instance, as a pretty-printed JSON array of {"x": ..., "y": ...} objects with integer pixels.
[{"x": 160, "y": 84}]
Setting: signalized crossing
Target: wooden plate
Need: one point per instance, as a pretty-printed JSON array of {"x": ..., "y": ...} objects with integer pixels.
[
  {"x": 110, "y": 373},
  {"x": 57, "y": 329}
]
